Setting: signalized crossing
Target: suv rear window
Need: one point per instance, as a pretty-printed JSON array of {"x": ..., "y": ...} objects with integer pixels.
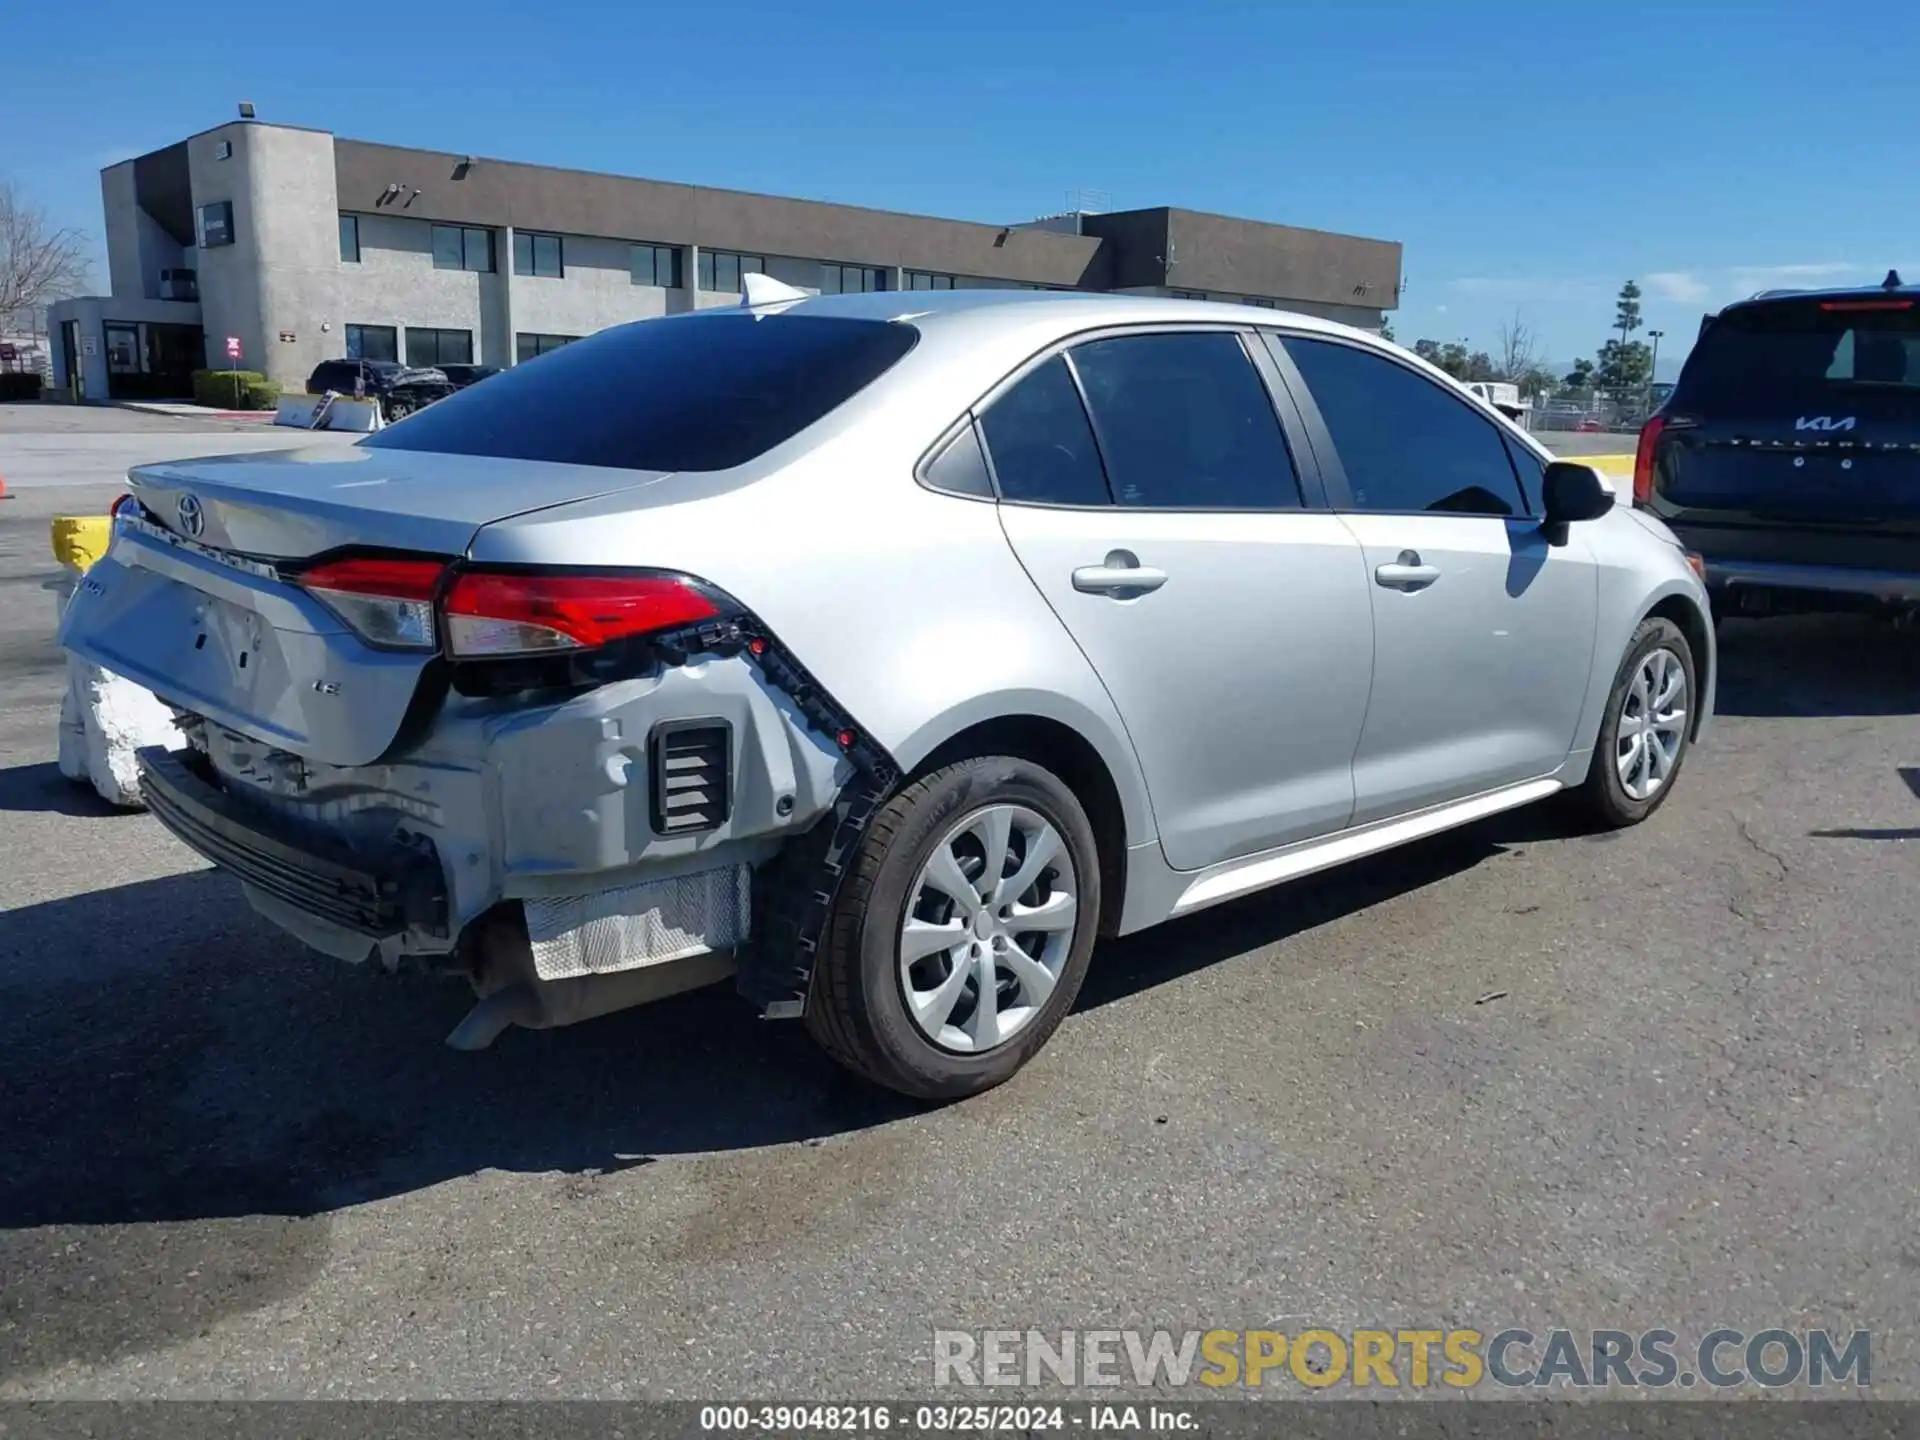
[
  {"x": 1796, "y": 350},
  {"x": 704, "y": 393}
]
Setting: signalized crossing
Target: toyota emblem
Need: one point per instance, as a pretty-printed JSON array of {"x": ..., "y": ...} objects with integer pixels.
[{"x": 192, "y": 519}]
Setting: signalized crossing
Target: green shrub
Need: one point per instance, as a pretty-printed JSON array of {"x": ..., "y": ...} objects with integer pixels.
[{"x": 234, "y": 390}]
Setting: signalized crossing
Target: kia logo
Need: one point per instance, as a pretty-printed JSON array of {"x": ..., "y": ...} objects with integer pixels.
[{"x": 1823, "y": 422}]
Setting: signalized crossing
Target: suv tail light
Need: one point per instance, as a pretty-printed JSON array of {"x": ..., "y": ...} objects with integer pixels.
[
  {"x": 1643, "y": 459},
  {"x": 386, "y": 602},
  {"x": 496, "y": 614}
]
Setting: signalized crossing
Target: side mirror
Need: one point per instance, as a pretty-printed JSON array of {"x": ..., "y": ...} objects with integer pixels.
[{"x": 1572, "y": 492}]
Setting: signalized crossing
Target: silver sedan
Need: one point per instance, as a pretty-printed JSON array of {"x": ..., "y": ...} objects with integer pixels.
[{"x": 882, "y": 652}]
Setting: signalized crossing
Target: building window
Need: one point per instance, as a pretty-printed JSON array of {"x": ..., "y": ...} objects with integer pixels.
[
  {"x": 1263, "y": 304},
  {"x": 462, "y": 247},
  {"x": 373, "y": 342},
  {"x": 526, "y": 347},
  {"x": 720, "y": 270},
  {"x": 656, "y": 265},
  {"x": 216, "y": 224},
  {"x": 1188, "y": 294},
  {"x": 851, "y": 279},
  {"x": 926, "y": 280},
  {"x": 350, "y": 239},
  {"x": 439, "y": 347},
  {"x": 537, "y": 255}
]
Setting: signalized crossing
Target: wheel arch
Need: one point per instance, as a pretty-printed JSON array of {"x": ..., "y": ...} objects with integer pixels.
[
  {"x": 1050, "y": 742},
  {"x": 1685, "y": 611}
]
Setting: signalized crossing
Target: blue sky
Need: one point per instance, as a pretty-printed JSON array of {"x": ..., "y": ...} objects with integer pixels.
[{"x": 1529, "y": 157}]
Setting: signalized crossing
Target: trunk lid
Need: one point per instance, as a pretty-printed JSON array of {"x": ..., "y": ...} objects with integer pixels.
[
  {"x": 293, "y": 504},
  {"x": 195, "y": 602}
]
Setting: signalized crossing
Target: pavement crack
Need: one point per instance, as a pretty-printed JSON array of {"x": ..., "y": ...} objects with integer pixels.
[{"x": 1746, "y": 833}]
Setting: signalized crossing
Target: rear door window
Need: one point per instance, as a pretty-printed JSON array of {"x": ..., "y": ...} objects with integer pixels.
[
  {"x": 705, "y": 393},
  {"x": 1042, "y": 446},
  {"x": 1186, "y": 424},
  {"x": 1803, "y": 353},
  {"x": 1407, "y": 446}
]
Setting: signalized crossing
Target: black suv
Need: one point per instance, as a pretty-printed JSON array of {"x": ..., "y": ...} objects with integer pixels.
[
  {"x": 1788, "y": 455},
  {"x": 461, "y": 376},
  {"x": 400, "y": 389}
]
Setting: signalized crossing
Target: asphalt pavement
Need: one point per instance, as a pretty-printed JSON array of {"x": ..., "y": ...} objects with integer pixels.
[
  {"x": 1519, "y": 1074},
  {"x": 62, "y": 445}
]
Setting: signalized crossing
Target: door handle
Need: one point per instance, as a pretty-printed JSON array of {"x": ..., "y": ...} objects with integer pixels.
[
  {"x": 1121, "y": 576},
  {"x": 1406, "y": 573}
]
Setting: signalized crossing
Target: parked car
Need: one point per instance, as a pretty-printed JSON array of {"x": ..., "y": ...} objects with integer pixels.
[
  {"x": 883, "y": 660},
  {"x": 1788, "y": 454},
  {"x": 400, "y": 389},
  {"x": 461, "y": 376}
]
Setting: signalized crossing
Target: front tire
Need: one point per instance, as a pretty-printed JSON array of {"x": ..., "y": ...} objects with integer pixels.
[
  {"x": 1647, "y": 729},
  {"x": 961, "y": 932}
]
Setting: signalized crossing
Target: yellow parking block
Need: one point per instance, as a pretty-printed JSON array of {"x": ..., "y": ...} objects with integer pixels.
[
  {"x": 1605, "y": 464},
  {"x": 79, "y": 540}
]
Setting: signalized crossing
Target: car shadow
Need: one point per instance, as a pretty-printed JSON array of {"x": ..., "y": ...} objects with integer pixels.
[
  {"x": 1124, "y": 967},
  {"x": 29, "y": 788},
  {"x": 165, "y": 1055},
  {"x": 1817, "y": 666}
]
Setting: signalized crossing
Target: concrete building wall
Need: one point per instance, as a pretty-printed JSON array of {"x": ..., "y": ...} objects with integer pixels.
[
  {"x": 232, "y": 277},
  {"x": 596, "y": 291},
  {"x": 295, "y": 217},
  {"x": 121, "y": 209},
  {"x": 395, "y": 283}
]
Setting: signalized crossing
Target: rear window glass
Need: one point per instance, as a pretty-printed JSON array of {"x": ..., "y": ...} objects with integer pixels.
[
  {"x": 695, "y": 394},
  {"x": 1796, "y": 351}
]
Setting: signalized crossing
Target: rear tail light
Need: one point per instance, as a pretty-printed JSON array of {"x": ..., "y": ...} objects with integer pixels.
[
  {"x": 121, "y": 503},
  {"x": 494, "y": 614},
  {"x": 386, "y": 602},
  {"x": 1643, "y": 459},
  {"x": 1850, "y": 305}
]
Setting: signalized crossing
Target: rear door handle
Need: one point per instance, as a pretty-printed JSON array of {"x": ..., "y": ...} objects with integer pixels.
[
  {"x": 1406, "y": 573},
  {"x": 1120, "y": 576}
]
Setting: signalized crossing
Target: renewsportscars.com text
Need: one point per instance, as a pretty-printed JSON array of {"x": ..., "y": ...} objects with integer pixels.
[{"x": 1721, "y": 1359}]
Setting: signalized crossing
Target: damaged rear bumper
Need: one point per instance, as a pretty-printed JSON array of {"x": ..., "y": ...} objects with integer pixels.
[
  {"x": 625, "y": 824},
  {"x": 380, "y": 895}
]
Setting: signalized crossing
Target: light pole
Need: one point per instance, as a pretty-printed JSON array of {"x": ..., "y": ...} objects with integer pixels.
[{"x": 1652, "y": 364}]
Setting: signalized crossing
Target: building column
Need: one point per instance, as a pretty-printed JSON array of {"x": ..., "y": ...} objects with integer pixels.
[
  {"x": 509, "y": 351},
  {"x": 897, "y": 278},
  {"x": 689, "y": 279}
]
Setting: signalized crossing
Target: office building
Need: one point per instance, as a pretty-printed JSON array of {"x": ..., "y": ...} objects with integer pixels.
[{"x": 294, "y": 246}]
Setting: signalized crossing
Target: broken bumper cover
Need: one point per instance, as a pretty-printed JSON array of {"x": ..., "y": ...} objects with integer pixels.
[{"x": 376, "y": 895}]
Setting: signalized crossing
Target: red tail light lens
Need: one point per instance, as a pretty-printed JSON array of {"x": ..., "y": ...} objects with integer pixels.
[
  {"x": 1643, "y": 460},
  {"x": 386, "y": 602},
  {"x": 494, "y": 614},
  {"x": 1849, "y": 305},
  {"x": 120, "y": 503}
]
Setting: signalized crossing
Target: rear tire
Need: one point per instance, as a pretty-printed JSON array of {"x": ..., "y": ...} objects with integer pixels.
[
  {"x": 1647, "y": 728},
  {"x": 398, "y": 410},
  {"x": 895, "y": 1004}
]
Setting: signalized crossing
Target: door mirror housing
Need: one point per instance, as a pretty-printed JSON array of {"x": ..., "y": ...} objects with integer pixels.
[{"x": 1570, "y": 492}]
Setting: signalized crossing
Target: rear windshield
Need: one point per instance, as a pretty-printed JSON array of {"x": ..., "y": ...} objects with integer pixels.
[
  {"x": 704, "y": 393},
  {"x": 1798, "y": 350}
]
